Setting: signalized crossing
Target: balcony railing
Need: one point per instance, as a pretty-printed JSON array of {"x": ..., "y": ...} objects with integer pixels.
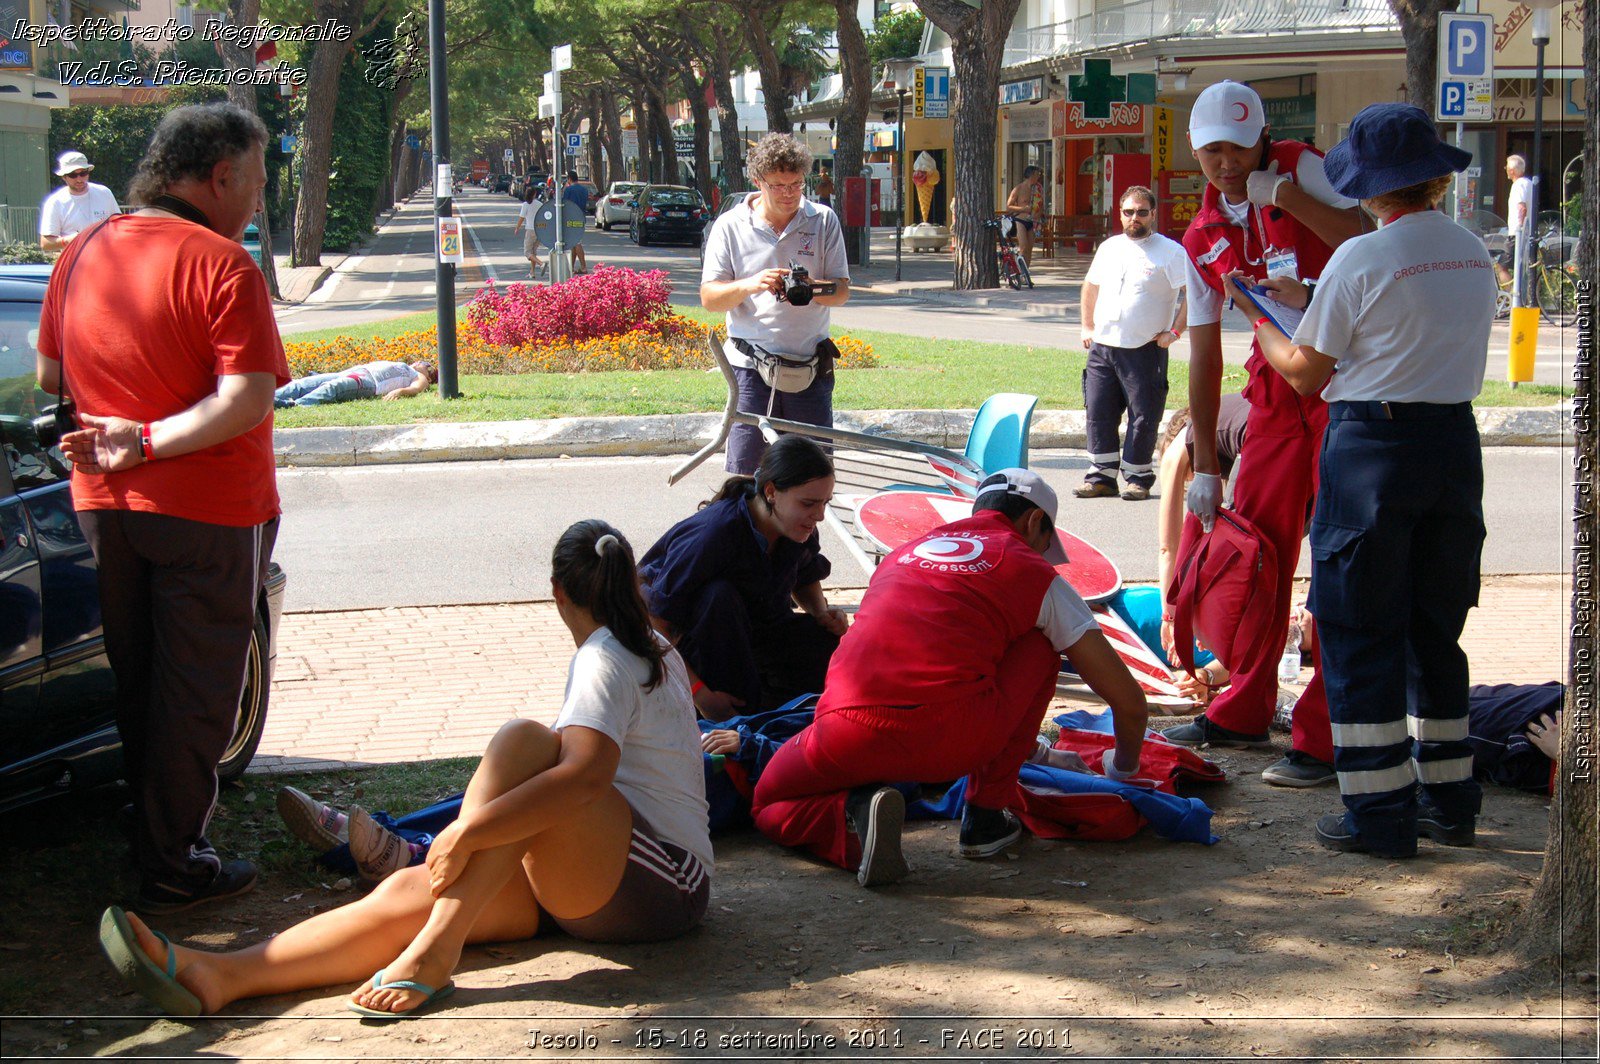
[{"x": 1149, "y": 20}]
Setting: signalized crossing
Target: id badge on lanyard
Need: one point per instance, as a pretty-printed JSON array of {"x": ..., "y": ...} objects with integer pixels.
[{"x": 1282, "y": 264}]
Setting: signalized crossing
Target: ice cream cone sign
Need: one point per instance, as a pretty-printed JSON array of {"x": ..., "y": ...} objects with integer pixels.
[{"x": 925, "y": 176}]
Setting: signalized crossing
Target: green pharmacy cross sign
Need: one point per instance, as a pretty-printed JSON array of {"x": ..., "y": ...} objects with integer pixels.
[{"x": 1097, "y": 88}]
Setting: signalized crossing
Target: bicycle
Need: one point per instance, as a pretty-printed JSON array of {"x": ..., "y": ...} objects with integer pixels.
[
  {"x": 1550, "y": 273},
  {"x": 1013, "y": 268}
]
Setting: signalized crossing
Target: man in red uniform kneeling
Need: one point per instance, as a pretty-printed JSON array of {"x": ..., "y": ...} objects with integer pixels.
[{"x": 946, "y": 672}]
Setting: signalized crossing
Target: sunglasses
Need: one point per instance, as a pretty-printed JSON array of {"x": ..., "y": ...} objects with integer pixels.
[
  {"x": 1142, "y": 212},
  {"x": 78, "y": 173}
]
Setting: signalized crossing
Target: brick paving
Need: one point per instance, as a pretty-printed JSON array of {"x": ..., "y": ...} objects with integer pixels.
[{"x": 367, "y": 687}]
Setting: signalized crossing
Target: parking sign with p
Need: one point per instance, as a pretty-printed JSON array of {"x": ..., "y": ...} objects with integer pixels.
[{"x": 1466, "y": 68}]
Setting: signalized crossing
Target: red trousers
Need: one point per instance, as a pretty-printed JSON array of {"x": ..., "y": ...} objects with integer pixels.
[
  {"x": 800, "y": 798},
  {"x": 1274, "y": 488}
]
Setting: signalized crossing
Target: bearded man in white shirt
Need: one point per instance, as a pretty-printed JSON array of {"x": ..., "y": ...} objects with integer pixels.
[{"x": 1132, "y": 312}]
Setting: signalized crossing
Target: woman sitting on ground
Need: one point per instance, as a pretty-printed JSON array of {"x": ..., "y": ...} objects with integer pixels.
[
  {"x": 724, "y": 583},
  {"x": 597, "y": 826}
]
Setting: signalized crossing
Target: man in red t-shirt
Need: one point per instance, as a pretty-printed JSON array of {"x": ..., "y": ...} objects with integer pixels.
[
  {"x": 946, "y": 672},
  {"x": 162, "y": 327}
]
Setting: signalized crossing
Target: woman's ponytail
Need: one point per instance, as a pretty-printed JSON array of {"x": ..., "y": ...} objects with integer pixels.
[{"x": 593, "y": 563}]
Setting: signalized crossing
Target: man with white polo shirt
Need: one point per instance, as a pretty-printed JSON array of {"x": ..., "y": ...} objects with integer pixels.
[
  {"x": 74, "y": 207},
  {"x": 749, "y": 252},
  {"x": 1130, "y": 317}
]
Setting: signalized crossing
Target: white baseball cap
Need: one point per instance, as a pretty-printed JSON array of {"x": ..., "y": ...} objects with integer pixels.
[
  {"x": 1028, "y": 485},
  {"x": 1227, "y": 111}
]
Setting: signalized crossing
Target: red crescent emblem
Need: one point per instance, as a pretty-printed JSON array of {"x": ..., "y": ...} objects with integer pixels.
[{"x": 1244, "y": 112}]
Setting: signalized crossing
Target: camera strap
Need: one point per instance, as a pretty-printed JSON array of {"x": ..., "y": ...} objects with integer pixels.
[
  {"x": 78, "y": 245},
  {"x": 181, "y": 207}
]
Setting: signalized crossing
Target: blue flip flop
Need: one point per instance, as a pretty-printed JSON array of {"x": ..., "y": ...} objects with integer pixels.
[
  {"x": 432, "y": 998},
  {"x": 161, "y": 986}
]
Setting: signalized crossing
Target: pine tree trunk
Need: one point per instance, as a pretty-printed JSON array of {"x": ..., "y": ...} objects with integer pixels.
[
  {"x": 977, "y": 43},
  {"x": 1558, "y": 927},
  {"x": 247, "y": 13},
  {"x": 667, "y": 149},
  {"x": 727, "y": 112},
  {"x": 321, "y": 92},
  {"x": 774, "y": 94},
  {"x": 850, "y": 125},
  {"x": 613, "y": 134},
  {"x": 1419, "y": 28}
]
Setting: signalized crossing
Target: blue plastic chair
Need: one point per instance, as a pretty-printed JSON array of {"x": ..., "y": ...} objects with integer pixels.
[{"x": 999, "y": 436}]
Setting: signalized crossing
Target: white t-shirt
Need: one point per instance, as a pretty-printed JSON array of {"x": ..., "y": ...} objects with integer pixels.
[
  {"x": 741, "y": 245},
  {"x": 1064, "y": 617},
  {"x": 64, "y": 214},
  {"x": 1521, "y": 198},
  {"x": 387, "y": 376},
  {"x": 1205, "y": 303},
  {"x": 661, "y": 772},
  {"x": 1406, "y": 312},
  {"x": 1139, "y": 281}
]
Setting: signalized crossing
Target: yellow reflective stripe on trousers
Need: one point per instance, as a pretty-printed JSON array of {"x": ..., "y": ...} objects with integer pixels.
[
  {"x": 1454, "y": 770},
  {"x": 1378, "y": 780},
  {"x": 1428, "y": 730},
  {"x": 1386, "y": 734}
]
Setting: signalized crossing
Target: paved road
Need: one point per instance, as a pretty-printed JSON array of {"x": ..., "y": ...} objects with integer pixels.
[
  {"x": 482, "y": 531},
  {"x": 395, "y": 276}
]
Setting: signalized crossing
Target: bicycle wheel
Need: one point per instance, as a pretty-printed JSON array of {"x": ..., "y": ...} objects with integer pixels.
[
  {"x": 1558, "y": 296},
  {"x": 1009, "y": 272},
  {"x": 1027, "y": 275}
]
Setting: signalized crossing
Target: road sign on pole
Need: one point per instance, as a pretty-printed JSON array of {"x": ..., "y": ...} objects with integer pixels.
[{"x": 1466, "y": 68}]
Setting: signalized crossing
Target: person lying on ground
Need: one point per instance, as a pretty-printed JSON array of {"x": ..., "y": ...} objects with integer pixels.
[
  {"x": 597, "y": 826},
  {"x": 946, "y": 672},
  {"x": 724, "y": 583},
  {"x": 382, "y": 380}
]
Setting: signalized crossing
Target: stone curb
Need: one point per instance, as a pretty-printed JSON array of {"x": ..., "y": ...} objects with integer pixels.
[{"x": 686, "y": 433}]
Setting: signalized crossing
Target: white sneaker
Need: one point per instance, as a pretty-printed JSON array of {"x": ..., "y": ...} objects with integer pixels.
[
  {"x": 317, "y": 824},
  {"x": 378, "y": 852}
]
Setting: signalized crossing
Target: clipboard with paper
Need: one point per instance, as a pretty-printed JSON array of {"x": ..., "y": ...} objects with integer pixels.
[{"x": 1284, "y": 317}]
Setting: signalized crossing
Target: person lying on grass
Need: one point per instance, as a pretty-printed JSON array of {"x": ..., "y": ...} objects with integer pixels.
[{"x": 596, "y": 826}]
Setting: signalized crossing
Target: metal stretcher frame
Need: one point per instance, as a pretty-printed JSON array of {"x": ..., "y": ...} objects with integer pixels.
[{"x": 866, "y": 464}]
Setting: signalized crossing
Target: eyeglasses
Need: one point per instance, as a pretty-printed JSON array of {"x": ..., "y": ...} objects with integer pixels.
[
  {"x": 798, "y": 186},
  {"x": 1142, "y": 212},
  {"x": 78, "y": 173}
]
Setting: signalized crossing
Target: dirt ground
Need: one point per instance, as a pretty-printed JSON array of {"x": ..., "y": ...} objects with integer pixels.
[{"x": 1264, "y": 945}]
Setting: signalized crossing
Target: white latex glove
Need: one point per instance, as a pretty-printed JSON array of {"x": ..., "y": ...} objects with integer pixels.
[
  {"x": 1262, "y": 185},
  {"x": 1109, "y": 763},
  {"x": 1203, "y": 498}
]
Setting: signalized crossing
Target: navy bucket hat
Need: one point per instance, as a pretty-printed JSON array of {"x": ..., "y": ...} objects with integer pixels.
[{"x": 1390, "y": 146}]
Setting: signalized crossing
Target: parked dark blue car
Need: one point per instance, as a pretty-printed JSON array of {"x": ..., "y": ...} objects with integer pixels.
[{"x": 57, "y": 717}]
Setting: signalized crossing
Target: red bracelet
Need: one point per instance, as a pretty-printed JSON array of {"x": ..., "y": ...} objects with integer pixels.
[
  {"x": 696, "y": 687},
  {"x": 1262, "y": 321},
  {"x": 144, "y": 442}
]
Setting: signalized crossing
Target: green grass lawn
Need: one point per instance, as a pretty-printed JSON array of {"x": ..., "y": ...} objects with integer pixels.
[{"x": 913, "y": 373}]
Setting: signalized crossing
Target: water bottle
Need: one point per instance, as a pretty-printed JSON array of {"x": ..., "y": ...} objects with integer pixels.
[{"x": 1289, "y": 665}]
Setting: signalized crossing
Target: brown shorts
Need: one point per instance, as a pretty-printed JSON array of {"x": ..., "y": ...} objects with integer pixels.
[{"x": 663, "y": 894}]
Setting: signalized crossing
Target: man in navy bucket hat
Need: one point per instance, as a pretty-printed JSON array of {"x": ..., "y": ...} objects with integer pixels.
[{"x": 1397, "y": 333}]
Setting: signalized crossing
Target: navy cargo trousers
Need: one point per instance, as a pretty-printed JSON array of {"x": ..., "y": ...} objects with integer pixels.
[{"x": 1396, "y": 542}]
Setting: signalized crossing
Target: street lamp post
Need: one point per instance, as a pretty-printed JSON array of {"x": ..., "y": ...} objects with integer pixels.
[
  {"x": 899, "y": 177},
  {"x": 444, "y": 273}
]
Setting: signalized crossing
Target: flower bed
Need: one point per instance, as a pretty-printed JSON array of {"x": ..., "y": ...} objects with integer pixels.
[{"x": 590, "y": 324}]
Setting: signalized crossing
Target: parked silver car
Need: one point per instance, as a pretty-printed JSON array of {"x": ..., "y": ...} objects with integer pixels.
[{"x": 613, "y": 207}]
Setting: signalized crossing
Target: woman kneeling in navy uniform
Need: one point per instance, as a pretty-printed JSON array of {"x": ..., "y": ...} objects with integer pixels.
[
  {"x": 723, "y": 585},
  {"x": 1400, "y": 321}
]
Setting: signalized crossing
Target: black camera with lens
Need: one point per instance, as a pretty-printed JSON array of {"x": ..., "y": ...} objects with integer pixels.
[
  {"x": 54, "y": 422},
  {"x": 799, "y": 289}
]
